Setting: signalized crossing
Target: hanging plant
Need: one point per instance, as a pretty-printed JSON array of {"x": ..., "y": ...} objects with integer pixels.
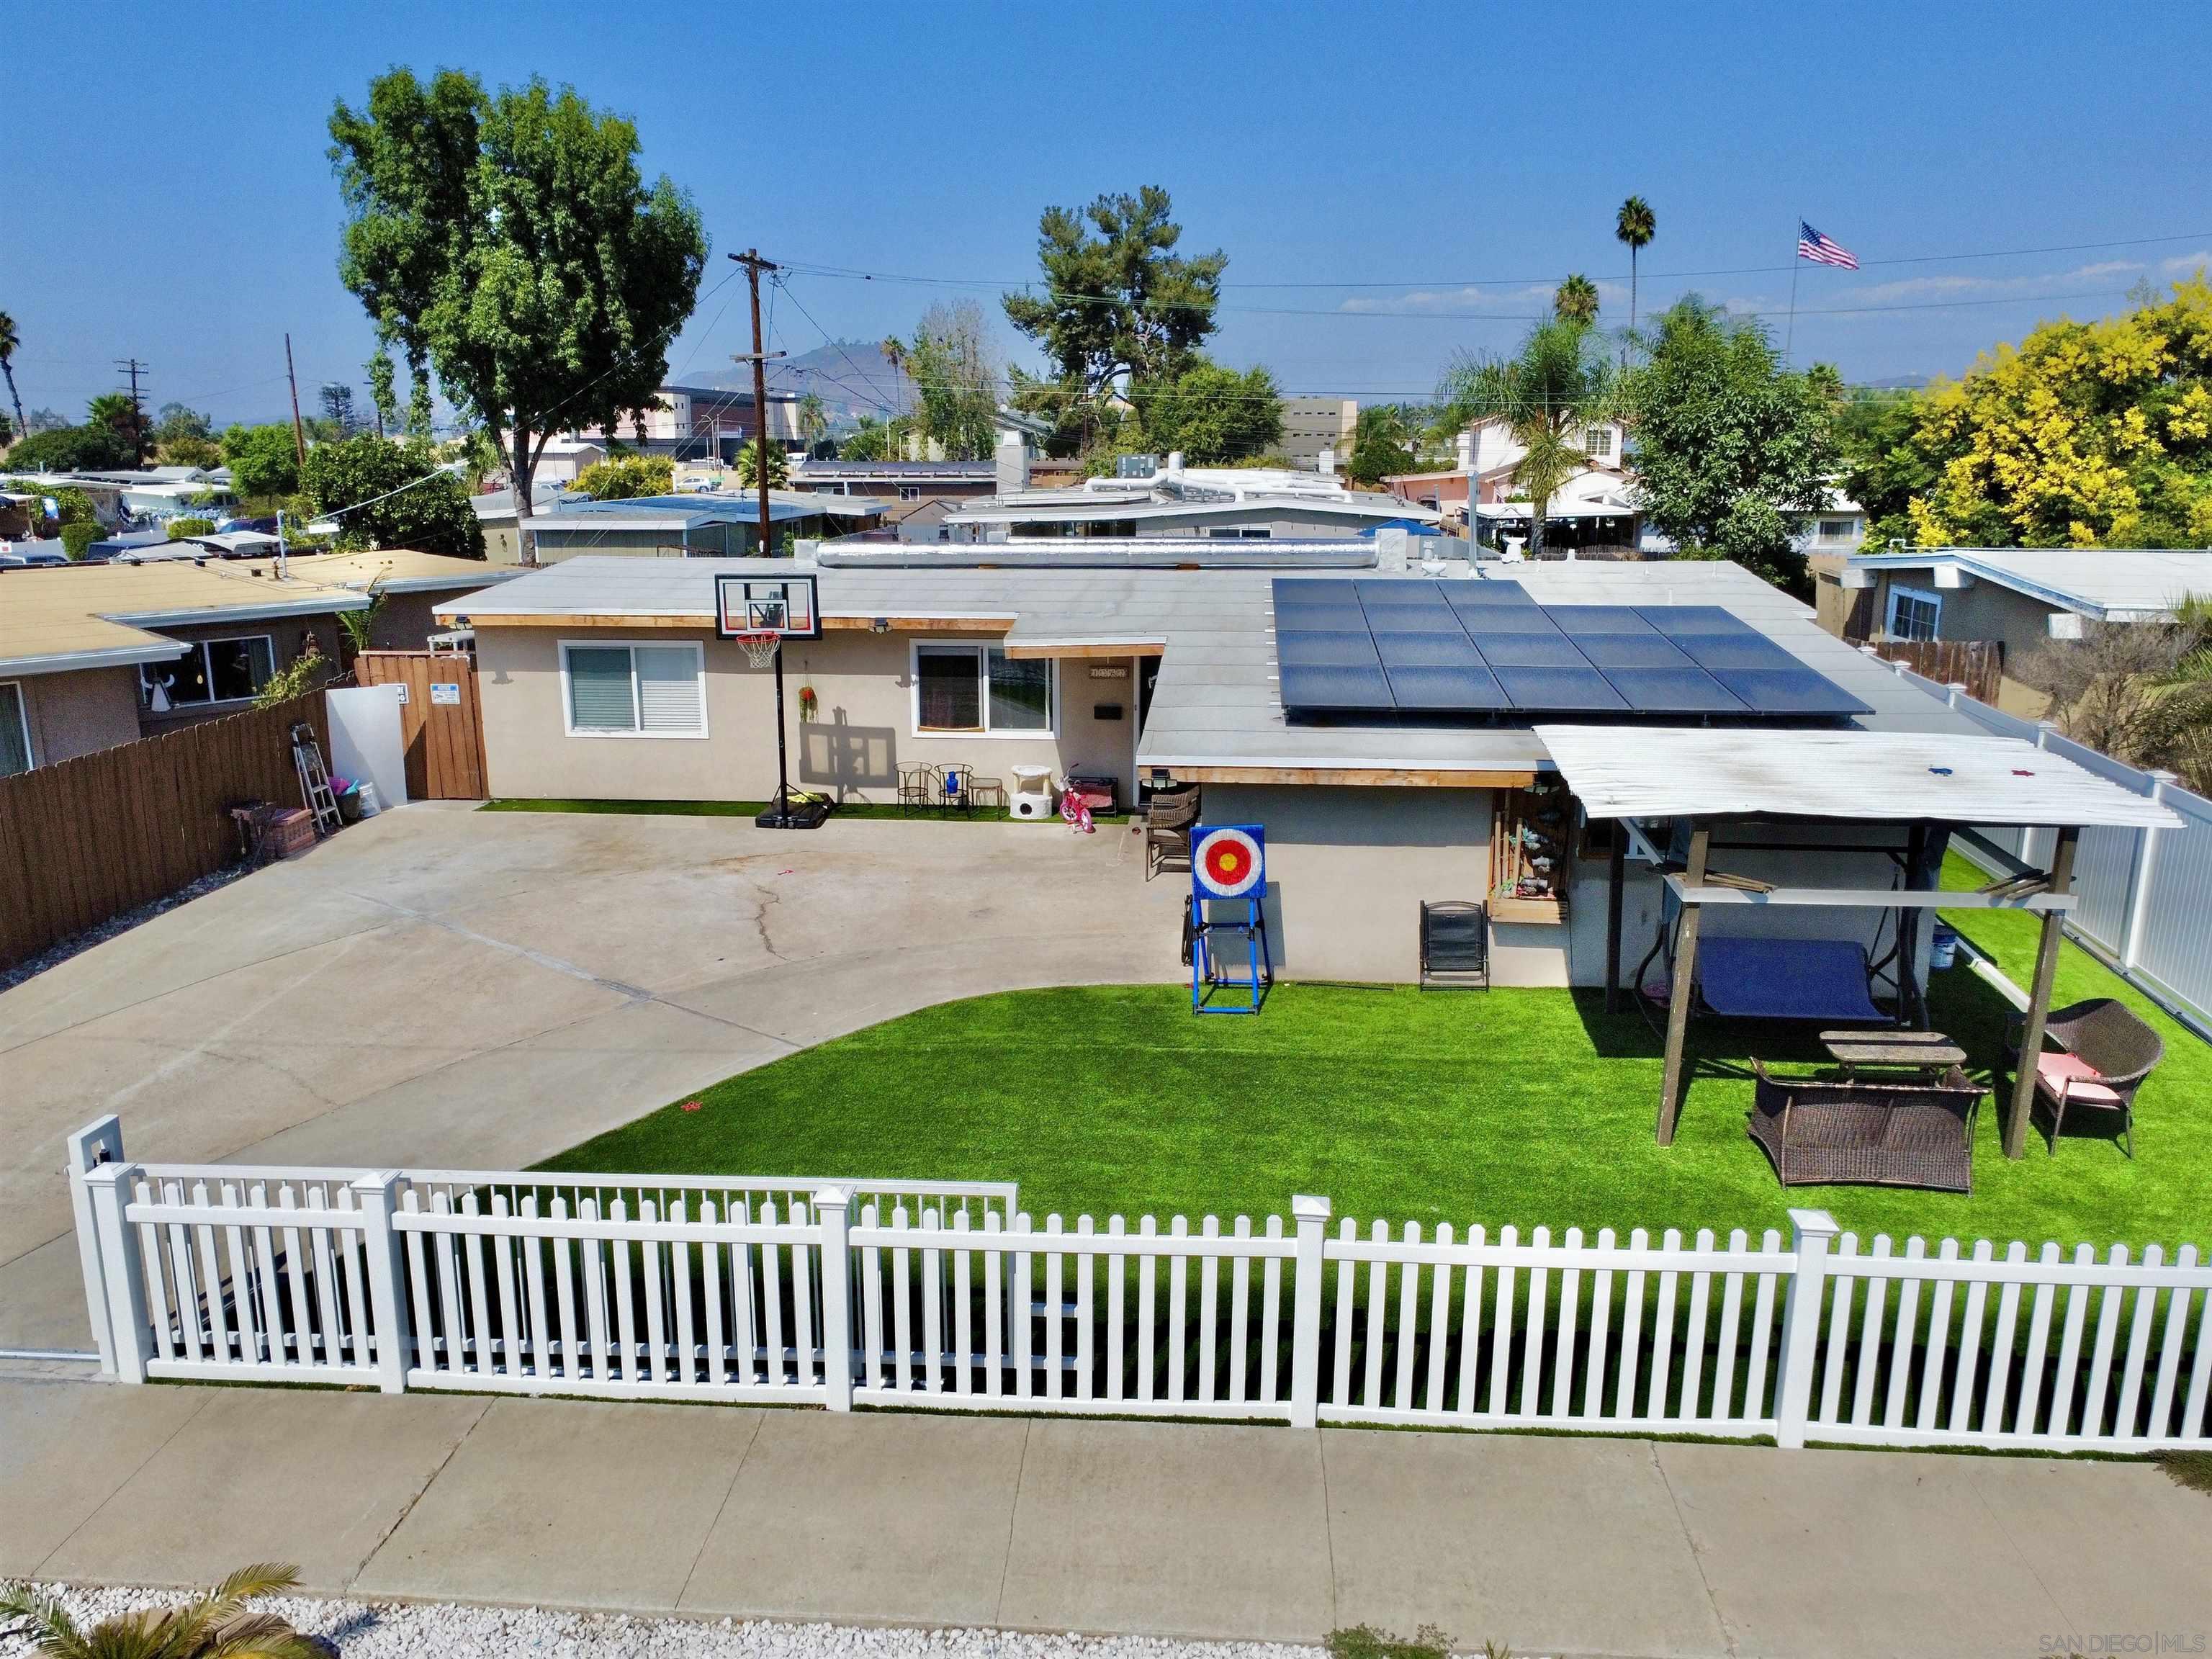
[{"x": 807, "y": 702}]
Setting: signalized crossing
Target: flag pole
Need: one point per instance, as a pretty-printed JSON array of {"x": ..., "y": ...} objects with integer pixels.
[{"x": 1789, "y": 339}]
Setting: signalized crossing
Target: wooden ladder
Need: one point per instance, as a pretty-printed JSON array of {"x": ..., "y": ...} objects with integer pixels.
[{"x": 314, "y": 778}]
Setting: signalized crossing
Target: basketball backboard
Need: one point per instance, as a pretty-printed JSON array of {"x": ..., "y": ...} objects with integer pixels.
[{"x": 767, "y": 604}]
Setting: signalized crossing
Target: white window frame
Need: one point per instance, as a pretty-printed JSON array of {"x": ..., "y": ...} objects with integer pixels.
[
  {"x": 1597, "y": 443},
  {"x": 23, "y": 717},
  {"x": 1928, "y": 597},
  {"x": 982, "y": 648},
  {"x": 909, "y": 492},
  {"x": 207, "y": 667},
  {"x": 568, "y": 709},
  {"x": 1844, "y": 530}
]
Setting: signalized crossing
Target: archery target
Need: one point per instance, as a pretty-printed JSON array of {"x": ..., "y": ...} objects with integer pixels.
[{"x": 1227, "y": 861}]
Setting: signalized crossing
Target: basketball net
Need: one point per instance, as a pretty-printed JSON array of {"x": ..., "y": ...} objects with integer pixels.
[{"x": 760, "y": 648}]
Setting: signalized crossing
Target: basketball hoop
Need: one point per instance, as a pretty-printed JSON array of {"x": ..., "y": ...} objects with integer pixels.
[{"x": 760, "y": 647}]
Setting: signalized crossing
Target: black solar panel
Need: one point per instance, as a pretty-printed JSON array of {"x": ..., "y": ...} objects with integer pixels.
[{"x": 1371, "y": 647}]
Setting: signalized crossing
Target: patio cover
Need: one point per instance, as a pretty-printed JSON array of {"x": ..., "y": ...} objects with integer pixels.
[{"x": 1644, "y": 772}]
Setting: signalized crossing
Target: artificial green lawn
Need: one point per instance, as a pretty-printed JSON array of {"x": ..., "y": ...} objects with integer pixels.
[{"x": 1522, "y": 1106}]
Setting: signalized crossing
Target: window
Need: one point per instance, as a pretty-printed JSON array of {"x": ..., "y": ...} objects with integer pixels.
[
  {"x": 909, "y": 492},
  {"x": 1913, "y": 614},
  {"x": 212, "y": 670},
  {"x": 1241, "y": 533},
  {"x": 979, "y": 688},
  {"x": 636, "y": 690},
  {"x": 1838, "y": 529},
  {"x": 1597, "y": 443},
  {"x": 15, "y": 731}
]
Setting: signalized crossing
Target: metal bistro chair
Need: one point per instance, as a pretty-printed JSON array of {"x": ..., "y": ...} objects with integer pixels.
[
  {"x": 917, "y": 788},
  {"x": 956, "y": 788}
]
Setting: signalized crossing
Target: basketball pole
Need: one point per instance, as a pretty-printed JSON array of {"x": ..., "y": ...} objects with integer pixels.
[{"x": 782, "y": 774}]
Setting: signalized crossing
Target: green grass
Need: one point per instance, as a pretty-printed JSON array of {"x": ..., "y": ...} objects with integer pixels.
[
  {"x": 746, "y": 809},
  {"x": 1522, "y": 1106}
]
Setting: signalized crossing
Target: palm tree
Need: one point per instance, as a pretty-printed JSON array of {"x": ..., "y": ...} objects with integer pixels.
[
  {"x": 1636, "y": 226},
  {"x": 813, "y": 418},
  {"x": 1576, "y": 302},
  {"x": 1556, "y": 386},
  {"x": 8, "y": 341},
  {"x": 216, "y": 1624}
]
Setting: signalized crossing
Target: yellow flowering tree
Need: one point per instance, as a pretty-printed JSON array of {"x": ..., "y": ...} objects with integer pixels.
[{"x": 2084, "y": 435}]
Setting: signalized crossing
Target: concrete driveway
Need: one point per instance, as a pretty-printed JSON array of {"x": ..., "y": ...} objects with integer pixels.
[{"x": 441, "y": 986}]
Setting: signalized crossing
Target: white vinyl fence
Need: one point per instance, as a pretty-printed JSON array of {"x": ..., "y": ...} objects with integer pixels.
[
  {"x": 2145, "y": 895},
  {"x": 943, "y": 1295}
]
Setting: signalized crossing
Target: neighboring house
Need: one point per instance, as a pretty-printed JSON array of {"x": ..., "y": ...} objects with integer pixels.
[
  {"x": 1313, "y": 426},
  {"x": 697, "y": 526},
  {"x": 1230, "y": 503},
  {"x": 916, "y": 496},
  {"x": 1592, "y": 508},
  {"x": 697, "y": 422},
  {"x": 2022, "y": 597},
  {"x": 605, "y": 679},
  {"x": 93, "y": 656},
  {"x": 1839, "y": 527},
  {"x": 496, "y": 516},
  {"x": 563, "y": 457}
]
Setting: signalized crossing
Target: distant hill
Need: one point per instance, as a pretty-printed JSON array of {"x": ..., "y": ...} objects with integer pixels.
[{"x": 849, "y": 376}]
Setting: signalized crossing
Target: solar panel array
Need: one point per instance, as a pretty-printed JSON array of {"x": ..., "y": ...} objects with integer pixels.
[{"x": 1352, "y": 646}]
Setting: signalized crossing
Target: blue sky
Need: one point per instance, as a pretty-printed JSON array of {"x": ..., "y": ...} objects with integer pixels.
[{"x": 170, "y": 195}]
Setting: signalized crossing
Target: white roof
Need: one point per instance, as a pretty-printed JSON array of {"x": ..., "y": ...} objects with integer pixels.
[
  {"x": 2105, "y": 584},
  {"x": 1644, "y": 772}
]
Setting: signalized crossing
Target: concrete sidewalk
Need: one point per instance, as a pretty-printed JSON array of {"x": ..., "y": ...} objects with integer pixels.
[{"x": 1547, "y": 1544}]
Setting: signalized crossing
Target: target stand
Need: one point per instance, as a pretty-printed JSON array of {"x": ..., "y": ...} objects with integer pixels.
[{"x": 1228, "y": 890}]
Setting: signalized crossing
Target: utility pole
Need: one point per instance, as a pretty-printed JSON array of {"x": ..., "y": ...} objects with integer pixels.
[
  {"x": 298, "y": 433},
  {"x": 133, "y": 367},
  {"x": 754, "y": 265}
]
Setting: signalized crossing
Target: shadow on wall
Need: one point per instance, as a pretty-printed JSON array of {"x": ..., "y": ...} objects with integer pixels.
[{"x": 838, "y": 755}]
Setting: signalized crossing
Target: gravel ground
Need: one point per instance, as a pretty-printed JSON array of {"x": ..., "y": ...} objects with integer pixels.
[
  {"x": 362, "y": 1630},
  {"x": 55, "y": 954}
]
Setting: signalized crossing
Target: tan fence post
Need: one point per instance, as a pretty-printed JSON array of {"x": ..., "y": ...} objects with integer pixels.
[
  {"x": 1813, "y": 1230},
  {"x": 124, "y": 1278},
  {"x": 377, "y": 1195},
  {"x": 831, "y": 1203},
  {"x": 1312, "y": 1216},
  {"x": 99, "y": 1142}
]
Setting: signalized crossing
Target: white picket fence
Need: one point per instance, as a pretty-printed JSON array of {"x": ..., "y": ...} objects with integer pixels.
[
  {"x": 943, "y": 1295},
  {"x": 2142, "y": 893}
]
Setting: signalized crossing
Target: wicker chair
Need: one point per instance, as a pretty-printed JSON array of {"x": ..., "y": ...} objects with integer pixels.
[
  {"x": 1819, "y": 1132},
  {"x": 1167, "y": 832},
  {"x": 2109, "y": 1036}
]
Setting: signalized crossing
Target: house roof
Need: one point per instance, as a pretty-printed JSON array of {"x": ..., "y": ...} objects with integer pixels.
[
  {"x": 690, "y": 512},
  {"x": 95, "y": 616},
  {"x": 900, "y": 471},
  {"x": 1217, "y": 708},
  {"x": 1948, "y": 777},
  {"x": 2105, "y": 584}
]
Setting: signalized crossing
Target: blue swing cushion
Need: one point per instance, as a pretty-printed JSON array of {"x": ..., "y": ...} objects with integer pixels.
[{"x": 1814, "y": 979}]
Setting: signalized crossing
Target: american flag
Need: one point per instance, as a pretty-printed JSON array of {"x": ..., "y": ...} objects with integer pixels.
[{"x": 1811, "y": 244}]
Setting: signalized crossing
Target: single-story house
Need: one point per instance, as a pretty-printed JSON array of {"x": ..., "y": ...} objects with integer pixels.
[
  {"x": 96, "y": 655},
  {"x": 604, "y": 678},
  {"x": 916, "y": 496},
  {"x": 695, "y": 526},
  {"x": 1224, "y": 503},
  {"x": 2020, "y": 597}
]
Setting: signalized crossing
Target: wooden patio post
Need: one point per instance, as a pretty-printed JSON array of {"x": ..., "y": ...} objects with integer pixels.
[
  {"x": 1679, "y": 994},
  {"x": 2038, "y": 996},
  {"x": 1616, "y": 877}
]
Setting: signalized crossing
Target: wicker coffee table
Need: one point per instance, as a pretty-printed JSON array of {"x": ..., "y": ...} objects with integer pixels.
[{"x": 1928, "y": 1052}]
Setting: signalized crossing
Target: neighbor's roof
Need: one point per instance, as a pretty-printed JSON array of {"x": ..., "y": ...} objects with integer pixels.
[
  {"x": 1217, "y": 708},
  {"x": 690, "y": 512},
  {"x": 97, "y": 616},
  {"x": 1945, "y": 777},
  {"x": 2105, "y": 584},
  {"x": 971, "y": 471}
]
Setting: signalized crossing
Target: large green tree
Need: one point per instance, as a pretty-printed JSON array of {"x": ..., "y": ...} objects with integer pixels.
[
  {"x": 88, "y": 448},
  {"x": 508, "y": 244},
  {"x": 1212, "y": 414},
  {"x": 626, "y": 477},
  {"x": 122, "y": 416},
  {"x": 263, "y": 460},
  {"x": 955, "y": 374},
  {"x": 1119, "y": 305},
  {"x": 1558, "y": 382},
  {"x": 1383, "y": 437},
  {"x": 1576, "y": 300},
  {"x": 390, "y": 494},
  {"x": 1732, "y": 451}
]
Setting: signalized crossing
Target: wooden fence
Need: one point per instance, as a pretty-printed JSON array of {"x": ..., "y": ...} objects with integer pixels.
[
  {"x": 944, "y": 1296},
  {"x": 89, "y": 838},
  {"x": 1977, "y": 665},
  {"x": 441, "y": 722}
]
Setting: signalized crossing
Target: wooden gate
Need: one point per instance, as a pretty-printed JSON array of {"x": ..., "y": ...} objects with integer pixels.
[{"x": 441, "y": 722}]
